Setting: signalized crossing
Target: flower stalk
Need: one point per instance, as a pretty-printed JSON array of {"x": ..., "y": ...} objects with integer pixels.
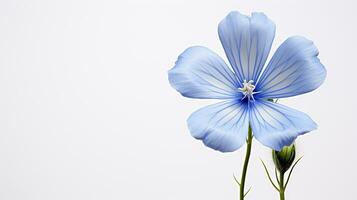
[
  {"x": 281, "y": 186},
  {"x": 242, "y": 192}
]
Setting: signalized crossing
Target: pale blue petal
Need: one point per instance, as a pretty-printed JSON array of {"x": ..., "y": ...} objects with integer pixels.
[
  {"x": 276, "y": 126},
  {"x": 294, "y": 69},
  {"x": 222, "y": 126},
  {"x": 201, "y": 73},
  {"x": 247, "y": 42}
]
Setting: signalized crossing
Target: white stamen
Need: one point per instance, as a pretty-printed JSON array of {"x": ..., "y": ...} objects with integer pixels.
[{"x": 247, "y": 89}]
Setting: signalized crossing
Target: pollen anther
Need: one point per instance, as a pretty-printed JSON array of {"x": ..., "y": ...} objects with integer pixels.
[{"x": 248, "y": 89}]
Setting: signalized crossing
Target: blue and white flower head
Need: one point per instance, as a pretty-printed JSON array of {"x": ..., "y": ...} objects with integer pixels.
[{"x": 246, "y": 87}]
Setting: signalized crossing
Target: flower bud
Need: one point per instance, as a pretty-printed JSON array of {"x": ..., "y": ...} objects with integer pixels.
[{"x": 284, "y": 158}]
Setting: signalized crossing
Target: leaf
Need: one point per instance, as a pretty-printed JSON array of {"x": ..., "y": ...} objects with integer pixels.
[
  {"x": 236, "y": 180},
  {"x": 276, "y": 176},
  {"x": 267, "y": 172},
  {"x": 292, "y": 168},
  {"x": 247, "y": 191}
]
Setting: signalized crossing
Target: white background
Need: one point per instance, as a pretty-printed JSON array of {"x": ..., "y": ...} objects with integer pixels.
[{"x": 86, "y": 110}]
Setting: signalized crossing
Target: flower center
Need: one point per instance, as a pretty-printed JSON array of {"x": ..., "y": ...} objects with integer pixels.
[{"x": 247, "y": 90}]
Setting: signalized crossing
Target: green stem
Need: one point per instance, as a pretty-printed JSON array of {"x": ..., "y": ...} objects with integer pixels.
[
  {"x": 281, "y": 187},
  {"x": 245, "y": 165}
]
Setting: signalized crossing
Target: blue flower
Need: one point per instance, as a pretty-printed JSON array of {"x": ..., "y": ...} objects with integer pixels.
[{"x": 246, "y": 87}]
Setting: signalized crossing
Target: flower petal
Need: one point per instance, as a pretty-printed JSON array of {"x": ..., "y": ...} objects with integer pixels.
[
  {"x": 276, "y": 126},
  {"x": 247, "y": 42},
  {"x": 222, "y": 126},
  {"x": 201, "y": 73},
  {"x": 294, "y": 69}
]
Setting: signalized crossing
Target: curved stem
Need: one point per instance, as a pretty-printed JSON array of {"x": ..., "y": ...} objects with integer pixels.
[
  {"x": 282, "y": 186},
  {"x": 245, "y": 165}
]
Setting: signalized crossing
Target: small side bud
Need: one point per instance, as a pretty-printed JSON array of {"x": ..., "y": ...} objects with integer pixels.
[{"x": 284, "y": 159}]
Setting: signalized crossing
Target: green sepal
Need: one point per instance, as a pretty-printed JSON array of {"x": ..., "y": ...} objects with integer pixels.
[{"x": 285, "y": 158}]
